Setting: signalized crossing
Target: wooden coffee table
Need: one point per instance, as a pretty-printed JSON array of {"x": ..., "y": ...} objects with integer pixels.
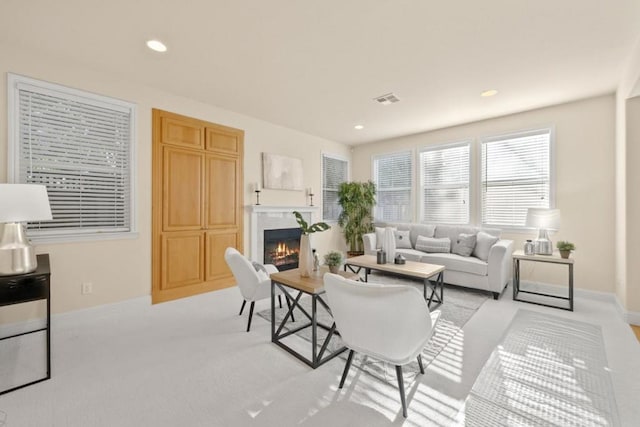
[
  {"x": 314, "y": 287},
  {"x": 411, "y": 269}
]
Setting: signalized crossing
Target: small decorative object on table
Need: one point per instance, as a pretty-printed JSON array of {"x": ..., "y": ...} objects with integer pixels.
[
  {"x": 305, "y": 259},
  {"x": 381, "y": 257},
  {"x": 399, "y": 259},
  {"x": 334, "y": 260},
  {"x": 565, "y": 248},
  {"x": 316, "y": 262},
  {"x": 529, "y": 248}
]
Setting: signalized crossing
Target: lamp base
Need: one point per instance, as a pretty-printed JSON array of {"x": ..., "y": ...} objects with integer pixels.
[
  {"x": 543, "y": 245},
  {"x": 17, "y": 256}
]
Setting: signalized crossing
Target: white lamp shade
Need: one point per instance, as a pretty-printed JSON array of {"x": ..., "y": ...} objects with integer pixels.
[
  {"x": 24, "y": 202},
  {"x": 546, "y": 219}
]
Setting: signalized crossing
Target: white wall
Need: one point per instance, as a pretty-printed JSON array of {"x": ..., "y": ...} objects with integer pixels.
[
  {"x": 121, "y": 269},
  {"x": 585, "y": 180}
]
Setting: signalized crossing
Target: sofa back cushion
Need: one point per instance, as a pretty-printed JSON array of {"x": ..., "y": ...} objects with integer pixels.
[
  {"x": 453, "y": 231},
  {"x": 426, "y": 230},
  {"x": 433, "y": 244}
]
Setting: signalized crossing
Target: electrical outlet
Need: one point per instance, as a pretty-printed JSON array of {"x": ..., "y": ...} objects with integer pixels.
[{"x": 87, "y": 288}]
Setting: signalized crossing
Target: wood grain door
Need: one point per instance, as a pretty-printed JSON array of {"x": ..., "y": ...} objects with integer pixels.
[{"x": 197, "y": 204}]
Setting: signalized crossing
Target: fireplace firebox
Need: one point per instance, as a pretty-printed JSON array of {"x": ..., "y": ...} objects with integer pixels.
[{"x": 282, "y": 247}]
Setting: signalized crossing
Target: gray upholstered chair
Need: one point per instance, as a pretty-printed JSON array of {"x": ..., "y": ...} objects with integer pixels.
[{"x": 391, "y": 323}]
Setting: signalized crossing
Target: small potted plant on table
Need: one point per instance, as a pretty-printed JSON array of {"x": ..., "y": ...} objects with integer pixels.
[
  {"x": 565, "y": 248},
  {"x": 334, "y": 260}
]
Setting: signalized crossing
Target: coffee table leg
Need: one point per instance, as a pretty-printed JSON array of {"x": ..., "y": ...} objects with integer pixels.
[
  {"x": 314, "y": 332},
  {"x": 273, "y": 311}
]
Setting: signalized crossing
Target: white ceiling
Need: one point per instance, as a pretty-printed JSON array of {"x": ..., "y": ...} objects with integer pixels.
[{"x": 316, "y": 65}]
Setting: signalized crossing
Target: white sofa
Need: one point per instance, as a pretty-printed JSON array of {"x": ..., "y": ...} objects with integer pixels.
[{"x": 492, "y": 275}]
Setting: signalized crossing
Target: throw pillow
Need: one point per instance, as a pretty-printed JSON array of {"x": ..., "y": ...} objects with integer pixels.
[
  {"x": 403, "y": 240},
  {"x": 464, "y": 244},
  {"x": 484, "y": 242},
  {"x": 433, "y": 245}
]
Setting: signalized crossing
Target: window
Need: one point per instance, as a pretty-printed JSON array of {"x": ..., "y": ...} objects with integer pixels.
[
  {"x": 80, "y": 146},
  {"x": 516, "y": 175},
  {"x": 392, "y": 176},
  {"x": 444, "y": 184},
  {"x": 335, "y": 171}
]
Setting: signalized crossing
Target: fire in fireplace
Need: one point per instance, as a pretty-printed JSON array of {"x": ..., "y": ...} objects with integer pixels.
[{"x": 282, "y": 247}]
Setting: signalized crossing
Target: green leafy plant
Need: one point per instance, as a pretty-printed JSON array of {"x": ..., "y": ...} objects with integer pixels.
[
  {"x": 313, "y": 228},
  {"x": 357, "y": 200},
  {"x": 333, "y": 258},
  {"x": 565, "y": 246}
]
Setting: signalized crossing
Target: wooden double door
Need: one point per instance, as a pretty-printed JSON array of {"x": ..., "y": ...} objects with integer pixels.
[{"x": 197, "y": 204}]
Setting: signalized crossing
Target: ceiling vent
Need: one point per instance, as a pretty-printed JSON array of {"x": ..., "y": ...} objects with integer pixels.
[{"x": 387, "y": 99}]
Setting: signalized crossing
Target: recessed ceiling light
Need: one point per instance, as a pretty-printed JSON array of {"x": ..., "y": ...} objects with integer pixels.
[
  {"x": 358, "y": 127},
  {"x": 156, "y": 45},
  {"x": 488, "y": 93}
]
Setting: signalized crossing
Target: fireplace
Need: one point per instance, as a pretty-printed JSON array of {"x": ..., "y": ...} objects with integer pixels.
[{"x": 282, "y": 247}]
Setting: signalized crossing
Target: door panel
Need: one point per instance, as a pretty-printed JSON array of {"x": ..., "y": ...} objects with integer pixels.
[
  {"x": 182, "y": 255},
  {"x": 222, "y": 140},
  {"x": 222, "y": 191},
  {"x": 216, "y": 243},
  {"x": 182, "y": 132},
  {"x": 183, "y": 177}
]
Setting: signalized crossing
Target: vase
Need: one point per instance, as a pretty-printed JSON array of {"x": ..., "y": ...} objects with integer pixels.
[
  {"x": 389, "y": 244},
  {"x": 305, "y": 259}
]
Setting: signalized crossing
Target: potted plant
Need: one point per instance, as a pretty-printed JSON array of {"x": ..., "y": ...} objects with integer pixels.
[
  {"x": 357, "y": 200},
  {"x": 334, "y": 260},
  {"x": 305, "y": 259},
  {"x": 565, "y": 248}
]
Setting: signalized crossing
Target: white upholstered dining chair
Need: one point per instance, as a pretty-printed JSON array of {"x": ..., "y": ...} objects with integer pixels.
[
  {"x": 391, "y": 323},
  {"x": 254, "y": 283}
]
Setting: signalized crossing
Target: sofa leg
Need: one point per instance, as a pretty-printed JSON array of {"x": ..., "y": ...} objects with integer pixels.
[{"x": 496, "y": 295}]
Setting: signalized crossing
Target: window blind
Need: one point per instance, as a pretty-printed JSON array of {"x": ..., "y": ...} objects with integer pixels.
[
  {"x": 392, "y": 175},
  {"x": 516, "y": 175},
  {"x": 334, "y": 172},
  {"x": 444, "y": 176},
  {"x": 80, "y": 148}
]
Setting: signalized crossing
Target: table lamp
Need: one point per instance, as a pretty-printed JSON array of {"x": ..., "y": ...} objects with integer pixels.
[
  {"x": 544, "y": 220},
  {"x": 20, "y": 203}
]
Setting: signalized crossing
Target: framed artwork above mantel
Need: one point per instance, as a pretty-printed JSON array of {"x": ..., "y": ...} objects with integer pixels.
[{"x": 281, "y": 172}]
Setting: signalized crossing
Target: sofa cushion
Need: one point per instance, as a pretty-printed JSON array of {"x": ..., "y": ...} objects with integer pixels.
[
  {"x": 484, "y": 241},
  {"x": 425, "y": 230},
  {"x": 432, "y": 244},
  {"x": 464, "y": 244},
  {"x": 453, "y": 231},
  {"x": 455, "y": 262},
  {"x": 402, "y": 239}
]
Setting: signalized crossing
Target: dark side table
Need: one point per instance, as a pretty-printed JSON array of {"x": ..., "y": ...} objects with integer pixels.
[{"x": 22, "y": 288}]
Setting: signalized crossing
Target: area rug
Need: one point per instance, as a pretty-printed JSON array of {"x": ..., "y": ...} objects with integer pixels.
[
  {"x": 459, "y": 306},
  {"x": 547, "y": 371}
]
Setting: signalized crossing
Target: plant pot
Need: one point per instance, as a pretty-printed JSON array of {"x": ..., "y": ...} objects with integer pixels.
[
  {"x": 565, "y": 254},
  {"x": 334, "y": 269},
  {"x": 351, "y": 254},
  {"x": 305, "y": 259}
]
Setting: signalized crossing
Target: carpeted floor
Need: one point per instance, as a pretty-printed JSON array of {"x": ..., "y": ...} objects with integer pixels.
[{"x": 547, "y": 371}]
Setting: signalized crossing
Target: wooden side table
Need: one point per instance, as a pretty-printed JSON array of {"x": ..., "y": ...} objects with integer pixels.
[
  {"x": 519, "y": 256},
  {"x": 22, "y": 288}
]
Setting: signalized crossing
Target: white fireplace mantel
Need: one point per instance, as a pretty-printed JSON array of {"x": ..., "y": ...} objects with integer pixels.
[{"x": 273, "y": 217}]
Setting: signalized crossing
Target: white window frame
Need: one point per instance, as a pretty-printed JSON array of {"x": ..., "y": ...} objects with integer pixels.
[
  {"x": 420, "y": 187},
  {"x": 412, "y": 174},
  {"x": 322, "y": 188},
  {"x": 15, "y": 81},
  {"x": 552, "y": 172}
]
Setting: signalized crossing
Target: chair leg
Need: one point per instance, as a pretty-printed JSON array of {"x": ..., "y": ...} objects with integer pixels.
[
  {"x": 250, "y": 315},
  {"x": 280, "y": 300},
  {"x": 401, "y": 387},
  {"x": 242, "y": 308},
  {"x": 293, "y": 319},
  {"x": 346, "y": 369},
  {"x": 420, "y": 363}
]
